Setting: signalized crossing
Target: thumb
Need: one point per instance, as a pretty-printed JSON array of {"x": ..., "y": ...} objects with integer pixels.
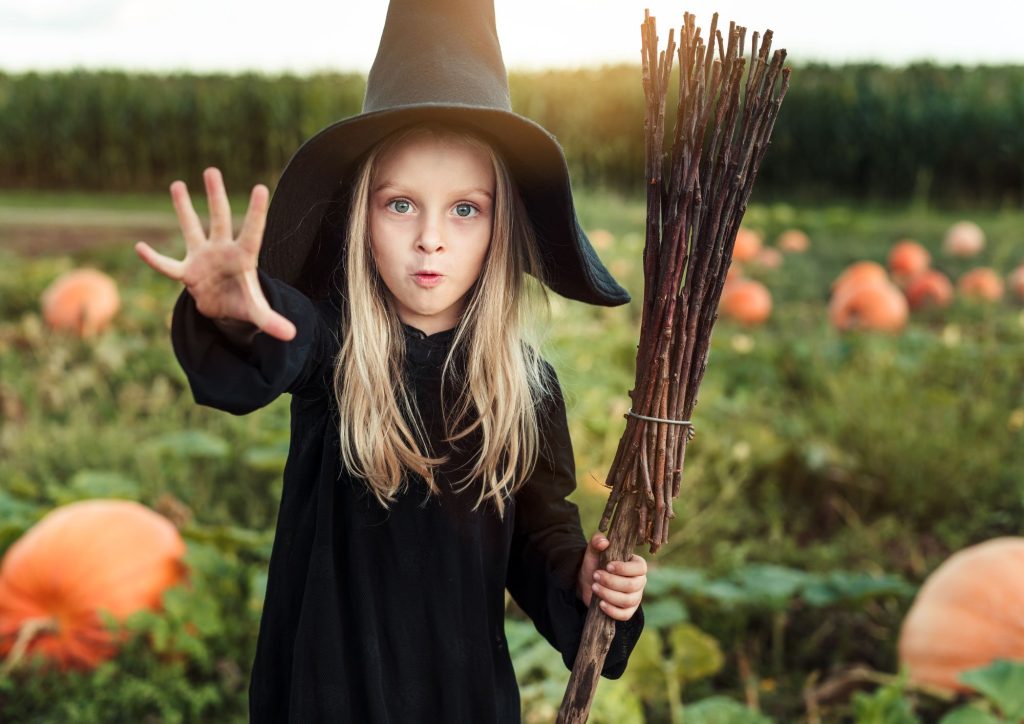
[
  {"x": 263, "y": 315},
  {"x": 275, "y": 324},
  {"x": 591, "y": 557},
  {"x": 598, "y": 543}
]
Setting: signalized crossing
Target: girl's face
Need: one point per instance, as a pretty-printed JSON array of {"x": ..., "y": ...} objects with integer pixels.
[{"x": 431, "y": 211}]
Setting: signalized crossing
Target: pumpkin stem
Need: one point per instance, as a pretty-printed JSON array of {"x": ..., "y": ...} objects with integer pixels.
[{"x": 28, "y": 631}]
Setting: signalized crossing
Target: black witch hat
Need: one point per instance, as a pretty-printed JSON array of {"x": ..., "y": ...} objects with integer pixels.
[{"x": 438, "y": 60}]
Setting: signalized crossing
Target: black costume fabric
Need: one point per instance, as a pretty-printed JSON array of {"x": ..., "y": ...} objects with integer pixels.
[{"x": 377, "y": 616}]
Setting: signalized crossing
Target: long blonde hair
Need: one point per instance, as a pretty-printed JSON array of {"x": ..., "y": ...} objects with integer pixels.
[{"x": 500, "y": 371}]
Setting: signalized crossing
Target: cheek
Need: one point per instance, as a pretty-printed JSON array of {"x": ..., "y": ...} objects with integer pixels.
[
  {"x": 379, "y": 248},
  {"x": 481, "y": 254}
]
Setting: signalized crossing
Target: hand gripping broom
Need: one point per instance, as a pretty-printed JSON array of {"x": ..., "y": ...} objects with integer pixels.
[{"x": 697, "y": 194}]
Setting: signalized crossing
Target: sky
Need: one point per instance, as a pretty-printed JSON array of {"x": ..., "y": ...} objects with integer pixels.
[{"x": 313, "y": 35}]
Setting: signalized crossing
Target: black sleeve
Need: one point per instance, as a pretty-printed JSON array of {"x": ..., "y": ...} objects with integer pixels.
[
  {"x": 239, "y": 380},
  {"x": 548, "y": 545}
]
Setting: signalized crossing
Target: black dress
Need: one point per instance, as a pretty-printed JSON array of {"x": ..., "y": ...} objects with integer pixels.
[{"x": 376, "y": 616}]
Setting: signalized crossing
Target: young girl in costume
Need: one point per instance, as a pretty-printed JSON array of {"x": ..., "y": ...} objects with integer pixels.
[{"x": 387, "y": 290}]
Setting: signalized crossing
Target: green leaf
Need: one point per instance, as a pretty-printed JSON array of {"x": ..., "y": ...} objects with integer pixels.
[
  {"x": 519, "y": 635},
  {"x": 726, "y": 593},
  {"x": 695, "y": 653},
  {"x": 267, "y": 458},
  {"x": 665, "y": 612},
  {"x": 969, "y": 714},
  {"x": 1002, "y": 682},
  {"x": 16, "y": 516},
  {"x": 722, "y": 710},
  {"x": 649, "y": 666},
  {"x": 885, "y": 705},
  {"x": 614, "y": 703},
  {"x": 853, "y": 587},
  {"x": 532, "y": 656},
  {"x": 770, "y": 585},
  {"x": 692, "y": 655},
  {"x": 89, "y": 484},
  {"x": 188, "y": 444},
  {"x": 257, "y": 588},
  {"x": 665, "y": 580}
]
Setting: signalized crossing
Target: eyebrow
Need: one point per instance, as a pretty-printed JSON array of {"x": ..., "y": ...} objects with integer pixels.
[{"x": 463, "y": 192}]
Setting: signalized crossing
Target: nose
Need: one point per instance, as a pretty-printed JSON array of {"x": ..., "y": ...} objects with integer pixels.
[{"x": 431, "y": 236}]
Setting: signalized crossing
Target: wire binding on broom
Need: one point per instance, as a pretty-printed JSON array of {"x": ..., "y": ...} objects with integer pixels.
[{"x": 690, "y": 432}]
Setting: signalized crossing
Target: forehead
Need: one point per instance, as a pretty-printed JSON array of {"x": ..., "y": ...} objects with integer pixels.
[{"x": 424, "y": 155}]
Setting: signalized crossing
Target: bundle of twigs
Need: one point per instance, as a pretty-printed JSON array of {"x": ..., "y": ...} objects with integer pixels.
[{"x": 696, "y": 196}]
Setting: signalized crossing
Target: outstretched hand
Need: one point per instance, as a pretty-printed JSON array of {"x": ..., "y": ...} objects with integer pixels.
[
  {"x": 220, "y": 271},
  {"x": 620, "y": 586}
]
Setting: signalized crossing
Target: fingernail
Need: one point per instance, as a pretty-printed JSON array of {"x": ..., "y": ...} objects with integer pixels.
[
  {"x": 597, "y": 576},
  {"x": 611, "y": 567},
  {"x": 594, "y": 587}
]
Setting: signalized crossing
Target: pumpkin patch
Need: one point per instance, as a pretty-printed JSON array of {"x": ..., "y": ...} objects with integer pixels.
[{"x": 829, "y": 473}]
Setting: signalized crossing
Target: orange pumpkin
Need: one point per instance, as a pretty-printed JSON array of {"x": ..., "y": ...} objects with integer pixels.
[
  {"x": 966, "y": 614},
  {"x": 870, "y": 305},
  {"x": 930, "y": 288},
  {"x": 82, "y": 301},
  {"x": 793, "y": 241},
  {"x": 747, "y": 244},
  {"x": 981, "y": 283},
  {"x": 1015, "y": 281},
  {"x": 747, "y": 301},
  {"x": 116, "y": 555},
  {"x": 907, "y": 259},
  {"x": 768, "y": 257},
  {"x": 858, "y": 273},
  {"x": 964, "y": 238}
]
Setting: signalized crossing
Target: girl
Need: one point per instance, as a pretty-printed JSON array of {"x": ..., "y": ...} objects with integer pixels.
[{"x": 430, "y": 458}]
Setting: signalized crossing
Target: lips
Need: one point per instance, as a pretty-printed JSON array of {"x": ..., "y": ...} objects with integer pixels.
[{"x": 428, "y": 278}]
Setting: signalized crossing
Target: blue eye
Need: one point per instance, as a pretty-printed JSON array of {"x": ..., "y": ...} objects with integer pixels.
[
  {"x": 469, "y": 208},
  {"x": 400, "y": 205}
]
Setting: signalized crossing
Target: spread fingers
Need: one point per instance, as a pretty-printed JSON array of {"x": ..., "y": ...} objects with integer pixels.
[
  {"x": 188, "y": 220},
  {"x": 171, "y": 268}
]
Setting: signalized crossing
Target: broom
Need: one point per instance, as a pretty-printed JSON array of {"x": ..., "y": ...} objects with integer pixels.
[{"x": 696, "y": 196}]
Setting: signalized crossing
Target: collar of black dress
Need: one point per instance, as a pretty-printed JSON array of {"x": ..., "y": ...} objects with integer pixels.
[{"x": 443, "y": 337}]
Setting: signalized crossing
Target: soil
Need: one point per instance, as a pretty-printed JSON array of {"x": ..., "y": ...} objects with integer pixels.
[
  {"x": 40, "y": 231},
  {"x": 45, "y": 239}
]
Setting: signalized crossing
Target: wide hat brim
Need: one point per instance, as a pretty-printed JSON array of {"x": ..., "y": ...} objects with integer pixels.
[{"x": 304, "y": 236}]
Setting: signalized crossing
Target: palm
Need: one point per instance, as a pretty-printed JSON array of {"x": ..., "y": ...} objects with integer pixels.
[
  {"x": 220, "y": 271},
  {"x": 218, "y": 276}
]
